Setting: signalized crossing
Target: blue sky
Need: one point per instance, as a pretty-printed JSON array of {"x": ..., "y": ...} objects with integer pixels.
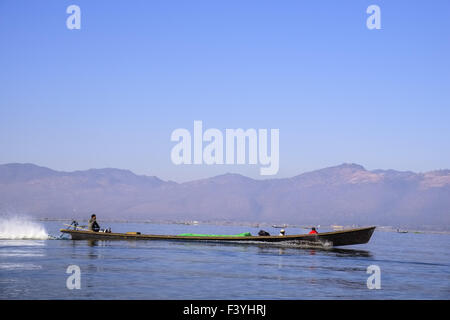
[{"x": 110, "y": 94}]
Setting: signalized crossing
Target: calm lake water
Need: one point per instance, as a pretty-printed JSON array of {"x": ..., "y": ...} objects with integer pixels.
[{"x": 413, "y": 266}]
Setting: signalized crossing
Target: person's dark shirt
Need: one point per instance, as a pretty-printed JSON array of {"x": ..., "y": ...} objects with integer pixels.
[{"x": 93, "y": 225}]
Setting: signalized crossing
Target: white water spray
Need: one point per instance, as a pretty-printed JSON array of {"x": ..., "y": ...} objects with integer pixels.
[{"x": 21, "y": 228}]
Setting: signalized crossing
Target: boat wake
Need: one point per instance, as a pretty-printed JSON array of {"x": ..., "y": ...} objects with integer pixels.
[{"x": 21, "y": 228}]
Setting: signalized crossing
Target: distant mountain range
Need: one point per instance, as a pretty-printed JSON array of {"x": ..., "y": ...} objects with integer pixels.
[{"x": 344, "y": 194}]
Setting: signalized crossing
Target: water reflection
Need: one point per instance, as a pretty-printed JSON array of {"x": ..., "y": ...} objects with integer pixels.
[
  {"x": 21, "y": 243},
  {"x": 262, "y": 248},
  {"x": 338, "y": 252},
  {"x": 351, "y": 252},
  {"x": 92, "y": 243}
]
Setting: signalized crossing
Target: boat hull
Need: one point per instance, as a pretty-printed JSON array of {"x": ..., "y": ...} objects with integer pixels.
[{"x": 336, "y": 238}]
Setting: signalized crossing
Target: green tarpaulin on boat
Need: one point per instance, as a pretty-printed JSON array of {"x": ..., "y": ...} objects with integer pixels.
[{"x": 244, "y": 234}]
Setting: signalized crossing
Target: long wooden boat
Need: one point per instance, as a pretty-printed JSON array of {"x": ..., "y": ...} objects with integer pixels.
[{"x": 332, "y": 239}]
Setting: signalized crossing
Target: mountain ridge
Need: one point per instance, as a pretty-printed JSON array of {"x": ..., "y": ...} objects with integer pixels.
[{"x": 342, "y": 194}]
